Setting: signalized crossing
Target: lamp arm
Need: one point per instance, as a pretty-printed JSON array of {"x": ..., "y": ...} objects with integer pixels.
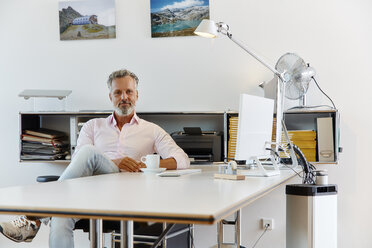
[{"x": 254, "y": 56}]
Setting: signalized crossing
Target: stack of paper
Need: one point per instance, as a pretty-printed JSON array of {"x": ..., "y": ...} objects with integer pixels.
[
  {"x": 306, "y": 141},
  {"x": 233, "y": 133},
  {"x": 43, "y": 144},
  {"x": 273, "y": 136}
]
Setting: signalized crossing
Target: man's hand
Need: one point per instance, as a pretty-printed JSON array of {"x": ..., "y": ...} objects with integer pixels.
[{"x": 129, "y": 164}]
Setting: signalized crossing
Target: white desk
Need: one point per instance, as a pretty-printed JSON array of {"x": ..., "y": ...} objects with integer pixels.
[{"x": 192, "y": 199}]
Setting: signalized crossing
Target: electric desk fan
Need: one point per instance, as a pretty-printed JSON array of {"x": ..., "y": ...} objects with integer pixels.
[{"x": 298, "y": 76}]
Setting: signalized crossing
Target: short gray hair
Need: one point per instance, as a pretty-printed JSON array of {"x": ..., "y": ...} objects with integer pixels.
[{"x": 119, "y": 74}]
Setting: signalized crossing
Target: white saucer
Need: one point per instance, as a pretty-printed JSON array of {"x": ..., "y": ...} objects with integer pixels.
[{"x": 156, "y": 170}]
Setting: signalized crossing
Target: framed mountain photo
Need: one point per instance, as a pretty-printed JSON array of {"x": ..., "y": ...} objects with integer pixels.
[
  {"x": 171, "y": 18},
  {"x": 83, "y": 20}
]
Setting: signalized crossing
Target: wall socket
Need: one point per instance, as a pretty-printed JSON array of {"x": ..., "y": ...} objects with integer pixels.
[{"x": 267, "y": 221}]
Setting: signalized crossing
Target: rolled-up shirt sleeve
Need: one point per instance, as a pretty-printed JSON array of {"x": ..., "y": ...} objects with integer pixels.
[{"x": 167, "y": 148}]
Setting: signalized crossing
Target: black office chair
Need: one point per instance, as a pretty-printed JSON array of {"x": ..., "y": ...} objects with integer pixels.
[{"x": 180, "y": 235}]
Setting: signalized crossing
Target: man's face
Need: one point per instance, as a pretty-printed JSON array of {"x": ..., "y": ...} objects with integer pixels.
[{"x": 124, "y": 95}]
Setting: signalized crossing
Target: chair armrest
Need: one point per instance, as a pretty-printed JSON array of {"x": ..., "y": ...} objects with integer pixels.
[{"x": 44, "y": 179}]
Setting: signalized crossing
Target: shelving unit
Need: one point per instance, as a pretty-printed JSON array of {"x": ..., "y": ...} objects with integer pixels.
[
  {"x": 71, "y": 123},
  {"x": 306, "y": 119}
]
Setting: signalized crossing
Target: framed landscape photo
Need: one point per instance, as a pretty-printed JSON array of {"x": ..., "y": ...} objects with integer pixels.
[
  {"x": 177, "y": 17},
  {"x": 87, "y": 19}
]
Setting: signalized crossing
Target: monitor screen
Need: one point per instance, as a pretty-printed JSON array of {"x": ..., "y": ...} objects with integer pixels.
[{"x": 255, "y": 126}]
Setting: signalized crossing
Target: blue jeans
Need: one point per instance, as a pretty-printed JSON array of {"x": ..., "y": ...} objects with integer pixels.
[{"x": 87, "y": 162}]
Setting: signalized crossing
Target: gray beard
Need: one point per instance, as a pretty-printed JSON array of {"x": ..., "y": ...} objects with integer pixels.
[{"x": 124, "y": 111}]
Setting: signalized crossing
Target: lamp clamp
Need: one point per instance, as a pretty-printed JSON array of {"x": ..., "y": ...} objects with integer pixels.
[{"x": 223, "y": 28}]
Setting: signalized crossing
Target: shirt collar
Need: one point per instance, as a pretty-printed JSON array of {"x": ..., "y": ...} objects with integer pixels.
[
  {"x": 135, "y": 119},
  {"x": 111, "y": 120}
]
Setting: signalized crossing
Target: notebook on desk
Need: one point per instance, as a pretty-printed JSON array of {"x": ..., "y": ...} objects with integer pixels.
[{"x": 177, "y": 173}]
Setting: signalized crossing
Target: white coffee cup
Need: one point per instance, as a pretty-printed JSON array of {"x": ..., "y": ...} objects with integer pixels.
[{"x": 152, "y": 161}]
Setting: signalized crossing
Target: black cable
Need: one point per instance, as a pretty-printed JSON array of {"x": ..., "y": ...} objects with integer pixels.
[
  {"x": 308, "y": 169},
  {"x": 298, "y": 174},
  {"x": 312, "y": 175},
  {"x": 267, "y": 226},
  {"x": 323, "y": 92},
  {"x": 334, "y": 106},
  {"x": 278, "y": 156},
  {"x": 310, "y": 107}
]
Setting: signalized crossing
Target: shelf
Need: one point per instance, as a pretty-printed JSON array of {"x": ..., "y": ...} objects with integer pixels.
[
  {"x": 89, "y": 112},
  {"x": 45, "y": 161},
  {"x": 70, "y": 123}
]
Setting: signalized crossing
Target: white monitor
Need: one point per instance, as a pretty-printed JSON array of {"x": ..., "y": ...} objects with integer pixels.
[{"x": 255, "y": 126}]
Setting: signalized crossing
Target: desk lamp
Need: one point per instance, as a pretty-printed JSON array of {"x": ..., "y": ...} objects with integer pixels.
[{"x": 289, "y": 69}]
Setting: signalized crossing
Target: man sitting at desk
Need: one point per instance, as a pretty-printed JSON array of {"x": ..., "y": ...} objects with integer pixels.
[{"x": 106, "y": 145}]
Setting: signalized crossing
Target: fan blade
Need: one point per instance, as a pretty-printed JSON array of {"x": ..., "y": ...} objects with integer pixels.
[
  {"x": 297, "y": 75},
  {"x": 289, "y": 62},
  {"x": 295, "y": 90}
]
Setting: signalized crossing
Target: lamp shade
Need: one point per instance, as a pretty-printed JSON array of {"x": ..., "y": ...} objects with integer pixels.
[{"x": 207, "y": 29}]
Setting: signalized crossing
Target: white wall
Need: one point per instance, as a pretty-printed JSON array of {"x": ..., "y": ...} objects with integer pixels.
[{"x": 195, "y": 74}]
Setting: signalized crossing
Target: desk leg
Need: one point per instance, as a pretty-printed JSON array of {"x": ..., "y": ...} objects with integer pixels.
[
  {"x": 219, "y": 234},
  {"x": 191, "y": 235},
  {"x": 100, "y": 240},
  {"x": 237, "y": 228},
  {"x": 164, "y": 240},
  {"x": 96, "y": 234},
  {"x": 236, "y": 224},
  {"x": 92, "y": 233},
  {"x": 126, "y": 234}
]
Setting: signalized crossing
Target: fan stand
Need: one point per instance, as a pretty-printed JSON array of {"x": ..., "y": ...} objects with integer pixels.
[{"x": 301, "y": 103}]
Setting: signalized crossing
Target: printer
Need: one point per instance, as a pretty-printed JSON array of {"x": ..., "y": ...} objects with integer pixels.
[{"x": 200, "y": 146}]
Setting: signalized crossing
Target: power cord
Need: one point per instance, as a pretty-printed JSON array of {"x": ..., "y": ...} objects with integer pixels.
[
  {"x": 308, "y": 176},
  {"x": 310, "y": 107},
  {"x": 278, "y": 156},
  {"x": 323, "y": 92},
  {"x": 298, "y": 174},
  {"x": 266, "y": 227},
  {"x": 308, "y": 168},
  {"x": 327, "y": 97}
]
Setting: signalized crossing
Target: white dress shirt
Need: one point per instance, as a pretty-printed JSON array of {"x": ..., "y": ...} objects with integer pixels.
[{"x": 136, "y": 139}]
